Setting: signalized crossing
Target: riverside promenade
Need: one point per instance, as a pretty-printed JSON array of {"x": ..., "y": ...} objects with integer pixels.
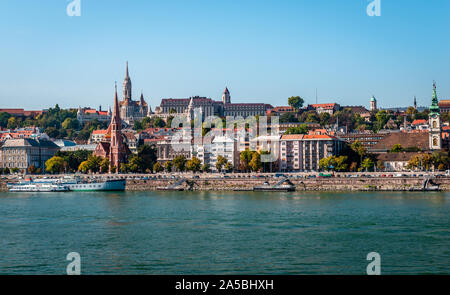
[{"x": 380, "y": 181}]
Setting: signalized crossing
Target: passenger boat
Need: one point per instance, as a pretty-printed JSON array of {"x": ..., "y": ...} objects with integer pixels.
[
  {"x": 76, "y": 184},
  {"x": 37, "y": 187}
]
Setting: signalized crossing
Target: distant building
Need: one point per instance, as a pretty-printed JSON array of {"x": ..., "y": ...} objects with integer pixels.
[
  {"x": 131, "y": 110},
  {"x": 85, "y": 115},
  {"x": 21, "y": 112},
  {"x": 435, "y": 138},
  {"x": 368, "y": 139},
  {"x": 320, "y": 108},
  {"x": 97, "y": 136},
  {"x": 278, "y": 111},
  {"x": 211, "y": 107},
  {"x": 444, "y": 105},
  {"x": 22, "y": 153}
]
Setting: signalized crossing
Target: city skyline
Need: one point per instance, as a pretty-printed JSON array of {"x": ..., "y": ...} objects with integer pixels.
[{"x": 257, "y": 50}]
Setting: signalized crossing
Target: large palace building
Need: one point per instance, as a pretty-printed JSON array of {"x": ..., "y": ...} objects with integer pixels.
[
  {"x": 131, "y": 110},
  {"x": 211, "y": 107}
]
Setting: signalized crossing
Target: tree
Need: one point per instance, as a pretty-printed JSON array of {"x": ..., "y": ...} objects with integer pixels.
[
  {"x": 6, "y": 170},
  {"x": 94, "y": 163},
  {"x": 180, "y": 163},
  {"x": 367, "y": 164},
  {"x": 302, "y": 129},
  {"x": 104, "y": 165},
  {"x": 255, "y": 164},
  {"x": 228, "y": 167},
  {"x": 31, "y": 169},
  {"x": 288, "y": 118},
  {"x": 396, "y": 148},
  {"x": 148, "y": 155},
  {"x": 136, "y": 164},
  {"x": 359, "y": 148},
  {"x": 168, "y": 166},
  {"x": 54, "y": 165},
  {"x": 341, "y": 163},
  {"x": 245, "y": 158},
  {"x": 296, "y": 102},
  {"x": 12, "y": 123},
  {"x": 70, "y": 123},
  {"x": 84, "y": 167},
  {"x": 382, "y": 118},
  {"x": 157, "y": 167},
  {"x": 194, "y": 164},
  {"x": 205, "y": 168},
  {"x": 221, "y": 162},
  {"x": 324, "y": 163}
]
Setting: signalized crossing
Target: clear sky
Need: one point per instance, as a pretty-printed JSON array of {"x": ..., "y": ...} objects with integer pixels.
[{"x": 264, "y": 51}]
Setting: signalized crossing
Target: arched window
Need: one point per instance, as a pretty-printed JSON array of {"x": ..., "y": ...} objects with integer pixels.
[
  {"x": 435, "y": 141},
  {"x": 434, "y": 124}
]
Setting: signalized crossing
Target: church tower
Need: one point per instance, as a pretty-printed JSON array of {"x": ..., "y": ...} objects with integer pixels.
[
  {"x": 117, "y": 152},
  {"x": 435, "y": 122},
  {"x": 226, "y": 98},
  {"x": 415, "y": 103},
  {"x": 127, "y": 86},
  {"x": 373, "y": 104}
]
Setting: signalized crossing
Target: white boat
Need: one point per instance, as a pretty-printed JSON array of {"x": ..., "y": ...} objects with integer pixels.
[
  {"x": 76, "y": 184},
  {"x": 37, "y": 187}
]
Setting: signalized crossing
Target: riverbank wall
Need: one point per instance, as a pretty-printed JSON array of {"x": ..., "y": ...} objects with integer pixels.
[
  {"x": 316, "y": 184},
  {"x": 301, "y": 184}
]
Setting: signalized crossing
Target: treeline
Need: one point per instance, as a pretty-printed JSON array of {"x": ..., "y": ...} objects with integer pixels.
[{"x": 57, "y": 123}]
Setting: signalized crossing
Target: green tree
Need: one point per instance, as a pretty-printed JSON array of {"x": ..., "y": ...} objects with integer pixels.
[
  {"x": 228, "y": 167},
  {"x": 104, "y": 165},
  {"x": 396, "y": 148},
  {"x": 4, "y": 117},
  {"x": 367, "y": 164},
  {"x": 94, "y": 163},
  {"x": 180, "y": 163},
  {"x": 84, "y": 167},
  {"x": 255, "y": 164},
  {"x": 296, "y": 102},
  {"x": 70, "y": 123},
  {"x": 359, "y": 148},
  {"x": 12, "y": 123},
  {"x": 205, "y": 168},
  {"x": 168, "y": 166},
  {"x": 302, "y": 129},
  {"x": 194, "y": 164},
  {"x": 6, "y": 170},
  {"x": 54, "y": 165},
  {"x": 221, "y": 162},
  {"x": 157, "y": 167}
]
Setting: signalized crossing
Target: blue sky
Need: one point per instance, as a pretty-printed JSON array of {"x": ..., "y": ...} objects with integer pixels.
[{"x": 264, "y": 51}]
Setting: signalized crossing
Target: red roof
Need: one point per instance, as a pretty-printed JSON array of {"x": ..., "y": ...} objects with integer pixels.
[{"x": 420, "y": 122}]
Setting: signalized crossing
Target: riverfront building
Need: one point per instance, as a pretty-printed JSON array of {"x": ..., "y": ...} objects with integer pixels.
[
  {"x": 24, "y": 152},
  {"x": 300, "y": 152}
]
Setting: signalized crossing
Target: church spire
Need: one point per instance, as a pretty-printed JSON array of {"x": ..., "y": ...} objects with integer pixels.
[
  {"x": 116, "y": 116},
  {"x": 434, "y": 108},
  {"x": 127, "y": 85},
  {"x": 226, "y": 98}
]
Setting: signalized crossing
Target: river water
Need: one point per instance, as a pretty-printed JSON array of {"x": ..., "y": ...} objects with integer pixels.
[{"x": 224, "y": 232}]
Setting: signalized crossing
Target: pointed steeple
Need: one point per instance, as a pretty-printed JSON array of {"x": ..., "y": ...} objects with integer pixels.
[
  {"x": 415, "y": 103},
  {"x": 127, "y": 85},
  {"x": 434, "y": 108},
  {"x": 116, "y": 116},
  {"x": 226, "y": 98}
]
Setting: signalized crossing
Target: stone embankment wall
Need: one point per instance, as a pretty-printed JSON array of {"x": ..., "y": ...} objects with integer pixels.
[
  {"x": 317, "y": 184},
  {"x": 312, "y": 184}
]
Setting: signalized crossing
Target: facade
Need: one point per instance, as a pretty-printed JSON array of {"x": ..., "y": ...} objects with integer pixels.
[
  {"x": 300, "y": 152},
  {"x": 226, "y": 147},
  {"x": 395, "y": 161},
  {"x": 22, "y": 153},
  {"x": 85, "y": 115},
  {"x": 21, "y": 112},
  {"x": 131, "y": 110},
  {"x": 97, "y": 136},
  {"x": 368, "y": 139},
  {"x": 211, "y": 107},
  {"x": 444, "y": 105},
  {"x": 320, "y": 108}
]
